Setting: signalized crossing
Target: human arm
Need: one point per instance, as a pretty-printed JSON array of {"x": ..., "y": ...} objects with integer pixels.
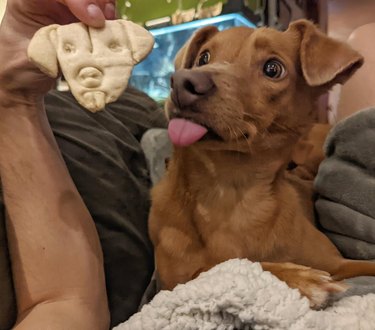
[{"x": 55, "y": 251}]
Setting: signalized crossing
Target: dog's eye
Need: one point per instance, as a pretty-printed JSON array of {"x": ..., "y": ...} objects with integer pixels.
[
  {"x": 204, "y": 58},
  {"x": 274, "y": 69}
]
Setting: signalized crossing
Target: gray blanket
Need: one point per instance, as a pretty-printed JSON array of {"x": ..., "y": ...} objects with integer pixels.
[{"x": 346, "y": 186}]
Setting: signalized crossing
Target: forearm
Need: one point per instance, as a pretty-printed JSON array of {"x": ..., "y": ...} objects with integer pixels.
[{"x": 54, "y": 247}]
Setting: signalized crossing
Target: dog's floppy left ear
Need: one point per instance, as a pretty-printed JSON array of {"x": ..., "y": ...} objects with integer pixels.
[
  {"x": 141, "y": 41},
  {"x": 323, "y": 59}
]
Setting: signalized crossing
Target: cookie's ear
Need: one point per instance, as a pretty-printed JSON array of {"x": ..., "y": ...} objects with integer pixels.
[
  {"x": 323, "y": 59},
  {"x": 187, "y": 54},
  {"x": 42, "y": 50},
  {"x": 140, "y": 41}
]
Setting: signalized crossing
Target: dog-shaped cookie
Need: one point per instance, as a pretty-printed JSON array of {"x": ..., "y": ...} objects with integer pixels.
[{"x": 96, "y": 63}]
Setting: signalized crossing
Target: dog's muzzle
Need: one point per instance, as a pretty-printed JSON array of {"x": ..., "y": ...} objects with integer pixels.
[{"x": 190, "y": 86}]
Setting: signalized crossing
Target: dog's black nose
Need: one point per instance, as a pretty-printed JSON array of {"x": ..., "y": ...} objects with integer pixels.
[{"x": 190, "y": 86}]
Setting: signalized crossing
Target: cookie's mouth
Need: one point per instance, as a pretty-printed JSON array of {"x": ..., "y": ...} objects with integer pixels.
[
  {"x": 184, "y": 132},
  {"x": 94, "y": 100}
]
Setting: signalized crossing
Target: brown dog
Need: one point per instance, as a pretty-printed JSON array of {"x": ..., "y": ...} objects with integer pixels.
[{"x": 240, "y": 101}]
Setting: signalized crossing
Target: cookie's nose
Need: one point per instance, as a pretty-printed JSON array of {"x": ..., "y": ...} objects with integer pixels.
[
  {"x": 189, "y": 86},
  {"x": 90, "y": 77}
]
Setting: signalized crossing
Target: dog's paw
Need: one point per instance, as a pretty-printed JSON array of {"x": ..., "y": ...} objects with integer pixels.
[{"x": 315, "y": 285}]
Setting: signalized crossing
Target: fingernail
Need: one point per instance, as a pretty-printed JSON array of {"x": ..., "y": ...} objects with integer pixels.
[
  {"x": 94, "y": 11},
  {"x": 110, "y": 11}
]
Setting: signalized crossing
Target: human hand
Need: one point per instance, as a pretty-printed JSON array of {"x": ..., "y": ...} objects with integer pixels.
[{"x": 20, "y": 80}]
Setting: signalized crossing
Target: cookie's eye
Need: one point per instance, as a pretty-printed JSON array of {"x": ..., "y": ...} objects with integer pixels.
[
  {"x": 274, "y": 69},
  {"x": 69, "y": 48},
  {"x": 115, "y": 46},
  {"x": 204, "y": 58}
]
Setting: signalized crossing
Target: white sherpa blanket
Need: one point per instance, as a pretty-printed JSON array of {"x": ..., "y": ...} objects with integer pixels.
[{"x": 238, "y": 294}]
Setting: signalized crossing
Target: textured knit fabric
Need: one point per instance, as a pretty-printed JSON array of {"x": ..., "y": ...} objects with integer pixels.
[{"x": 238, "y": 294}]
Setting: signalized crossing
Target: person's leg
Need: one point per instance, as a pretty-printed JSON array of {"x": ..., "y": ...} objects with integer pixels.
[
  {"x": 358, "y": 92},
  {"x": 55, "y": 252}
]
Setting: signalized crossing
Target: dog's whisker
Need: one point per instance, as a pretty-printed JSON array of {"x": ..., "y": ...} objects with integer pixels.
[
  {"x": 232, "y": 134},
  {"x": 253, "y": 118},
  {"x": 246, "y": 137},
  {"x": 283, "y": 128},
  {"x": 236, "y": 139}
]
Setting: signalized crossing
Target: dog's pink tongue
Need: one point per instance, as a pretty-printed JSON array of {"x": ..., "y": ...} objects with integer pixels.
[{"x": 183, "y": 132}]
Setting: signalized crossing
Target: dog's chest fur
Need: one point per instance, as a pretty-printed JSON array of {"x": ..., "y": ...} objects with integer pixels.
[
  {"x": 230, "y": 218},
  {"x": 245, "y": 223},
  {"x": 231, "y": 222}
]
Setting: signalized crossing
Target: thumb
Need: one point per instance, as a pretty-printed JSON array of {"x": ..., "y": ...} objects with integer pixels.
[{"x": 92, "y": 12}]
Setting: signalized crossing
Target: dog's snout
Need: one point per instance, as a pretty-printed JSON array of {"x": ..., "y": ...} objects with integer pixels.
[
  {"x": 90, "y": 77},
  {"x": 190, "y": 86}
]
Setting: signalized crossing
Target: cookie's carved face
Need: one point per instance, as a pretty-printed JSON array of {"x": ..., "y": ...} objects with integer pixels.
[{"x": 97, "y": 63}]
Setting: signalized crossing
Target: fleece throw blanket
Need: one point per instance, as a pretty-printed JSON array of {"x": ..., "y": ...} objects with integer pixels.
[
  {"x": 238, "y": 294},
  {"x": 346, "y": 186}
]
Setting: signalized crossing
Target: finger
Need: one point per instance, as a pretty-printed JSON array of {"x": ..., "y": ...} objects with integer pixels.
[
  {"x": 108, "y": 7},
  {"x": 110, "y": 10},
  {"x": 91, "y": 12}
]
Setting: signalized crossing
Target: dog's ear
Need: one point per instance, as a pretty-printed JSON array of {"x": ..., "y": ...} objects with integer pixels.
[
  {"x": 139, "y": 39},
  {"x": 186, "y": 55},
  {"x": 42, "y": 50},
  {"x": 323, "y": 59}
]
